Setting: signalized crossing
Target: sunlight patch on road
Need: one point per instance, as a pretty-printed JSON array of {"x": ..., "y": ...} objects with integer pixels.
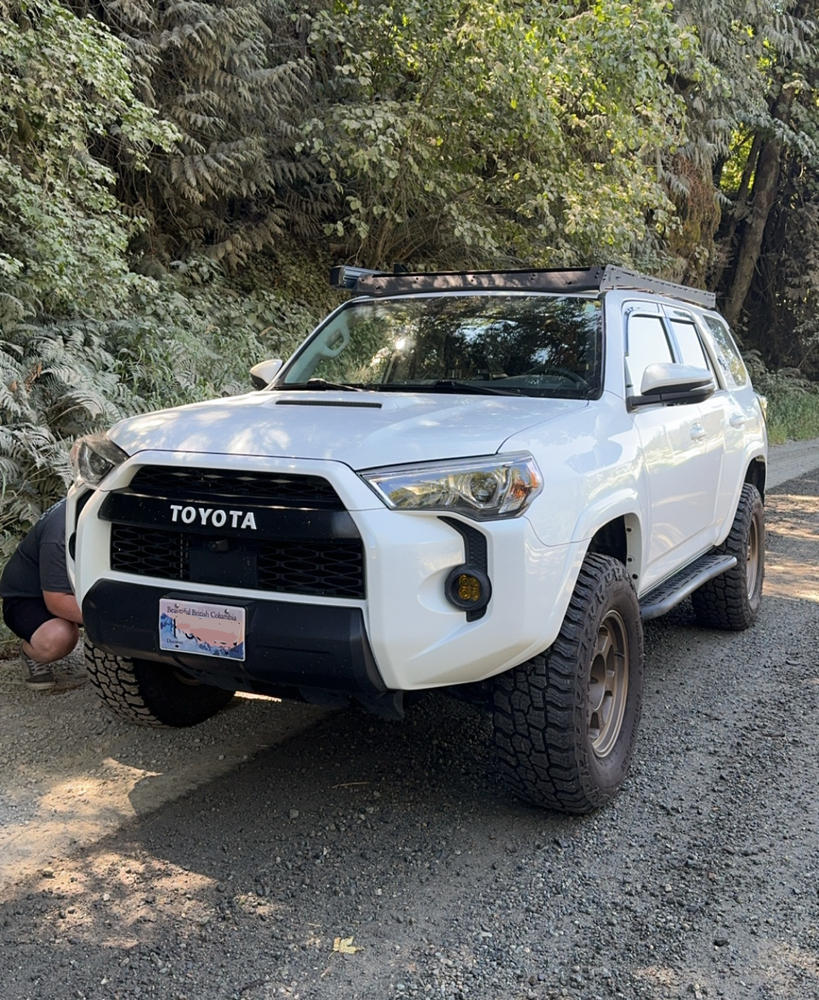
[
  {"x": 55, "y": 805},
  {"x": 791, "y": 579},
  {"x": 116, "y": 901},
  {"x": 796, "y": 517}
]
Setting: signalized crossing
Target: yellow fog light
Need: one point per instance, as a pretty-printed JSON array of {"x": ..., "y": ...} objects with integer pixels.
[{"x": 468, "y": 588}]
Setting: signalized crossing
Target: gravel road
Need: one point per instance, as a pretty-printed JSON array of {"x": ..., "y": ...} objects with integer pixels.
[{"x": 280, "y": 851}]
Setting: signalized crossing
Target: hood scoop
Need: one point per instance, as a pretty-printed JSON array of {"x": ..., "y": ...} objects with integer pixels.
[{"x": 329, "y": 402}]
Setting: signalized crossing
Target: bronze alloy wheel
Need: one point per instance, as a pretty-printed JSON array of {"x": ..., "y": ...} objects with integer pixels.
[{"x": 608, "y": 684}]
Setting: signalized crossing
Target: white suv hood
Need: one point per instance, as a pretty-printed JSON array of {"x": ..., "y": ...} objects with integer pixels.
[{"x": 361, "y": 429}]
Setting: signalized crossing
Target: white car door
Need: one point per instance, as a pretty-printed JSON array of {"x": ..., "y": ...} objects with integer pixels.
[
  {"x": 678, "y": 458},
  {"x": 714, "y": 415},
  {"x": 742, "y": 414}
]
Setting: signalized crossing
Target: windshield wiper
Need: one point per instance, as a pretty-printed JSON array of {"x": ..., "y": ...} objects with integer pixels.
[
  {"x": 318, "y": 383},
  {"x": 456, "y": 385},
  {"x": 441, "y": 385}
]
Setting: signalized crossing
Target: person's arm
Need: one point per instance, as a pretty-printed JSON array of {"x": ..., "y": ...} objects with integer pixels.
[
  {"x": 54, "y": 582},
  {"x": 63, "y": 606}
]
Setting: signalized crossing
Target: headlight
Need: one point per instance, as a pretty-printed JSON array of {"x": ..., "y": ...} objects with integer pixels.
[
  {"x": 93, "y": 457},
  {"x": 481, "y": 488}
]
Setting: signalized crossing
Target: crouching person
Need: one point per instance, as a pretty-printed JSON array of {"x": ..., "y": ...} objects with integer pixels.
[{"x": 38, "y": 603}]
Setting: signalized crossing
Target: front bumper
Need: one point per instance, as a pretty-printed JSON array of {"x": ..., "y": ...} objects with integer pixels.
[{"x": 288, "y": 645}]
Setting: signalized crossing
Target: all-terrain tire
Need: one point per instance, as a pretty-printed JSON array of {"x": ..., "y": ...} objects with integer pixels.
[
  {"x": 731, "y": 600},
  {"x": 565, "y": 722},
  {"x": 151, "y": 694}
]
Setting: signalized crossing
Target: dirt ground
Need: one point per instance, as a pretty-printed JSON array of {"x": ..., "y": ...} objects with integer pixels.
[{"x": 281, "y": 851}]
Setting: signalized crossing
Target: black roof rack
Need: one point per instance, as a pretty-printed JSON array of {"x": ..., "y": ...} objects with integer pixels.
[{"x": 364, "y": 281}]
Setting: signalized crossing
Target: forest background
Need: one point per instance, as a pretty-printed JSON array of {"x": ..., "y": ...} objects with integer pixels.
[{"x": 176, "y": 179}]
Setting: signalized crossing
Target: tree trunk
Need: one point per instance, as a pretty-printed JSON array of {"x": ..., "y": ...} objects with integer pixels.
[
  {"x": 765, "y": 188},
  {"x": 739, "y": 212}
]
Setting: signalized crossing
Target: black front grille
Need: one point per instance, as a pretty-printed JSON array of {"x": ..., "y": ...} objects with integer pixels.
[
  {"x": 270, "y": 489},
  {"x": 327, "y": 567},
  {"x": 147, "y": 552}
]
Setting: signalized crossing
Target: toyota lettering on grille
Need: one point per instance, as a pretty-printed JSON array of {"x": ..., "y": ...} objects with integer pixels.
[{"x": 216, "y": 517}]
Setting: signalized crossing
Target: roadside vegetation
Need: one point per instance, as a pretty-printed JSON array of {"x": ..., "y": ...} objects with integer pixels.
[
  {"x": 793, "y": 407},
  {"x": 176, "y": 179}
]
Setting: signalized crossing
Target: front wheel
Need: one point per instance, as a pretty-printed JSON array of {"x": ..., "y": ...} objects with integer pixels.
[
  {"x": 151, "y": 694},
  {"x": 565, "y": 722},
  {"x": 732, "y": 600}
]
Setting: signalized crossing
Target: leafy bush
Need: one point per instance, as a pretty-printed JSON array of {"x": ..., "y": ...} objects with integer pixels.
[
  {"x": 457, "y": 132},
  {"x": 793, "y": 414},
  {"x": 196, "y": 335},
  {"x": 64, "y": 90},
  {"x": 54, "y": 384},
  {"x": 793, "y": 406},
  {"x": 232, "y": 78},
  {"x": 793, "y": 400}
]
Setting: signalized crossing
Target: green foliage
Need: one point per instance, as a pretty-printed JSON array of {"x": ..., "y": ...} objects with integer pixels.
[
  {"x": 84, "y": 339},
  {"x": 793, "y": 412},
  {"x": 196, "y": 336},
  {"x": 64, "y": 88},
  {"x": 54, "y": 384},
  {"x": 230, "y": 76},
  {"x": 466, "y": 130},
  {"x": 793, "y": 401}
]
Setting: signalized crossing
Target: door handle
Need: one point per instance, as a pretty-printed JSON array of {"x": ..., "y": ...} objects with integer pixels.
[
  {"x": 697, "y": 432},
  {"x": 736, "y": 420}
]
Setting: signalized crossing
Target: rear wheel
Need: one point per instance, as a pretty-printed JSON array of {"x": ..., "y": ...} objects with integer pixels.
[
  {"x": 565, "y": 721},
  {"x": 732, "y": 600},
  {"x": 151, "y": 694}
]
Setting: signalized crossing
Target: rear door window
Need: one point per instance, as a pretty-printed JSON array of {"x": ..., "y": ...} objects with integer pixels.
[{"x": 690, "y": 347}]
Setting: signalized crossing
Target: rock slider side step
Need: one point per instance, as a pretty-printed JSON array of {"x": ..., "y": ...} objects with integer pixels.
[{"x": 674, "y": 590}]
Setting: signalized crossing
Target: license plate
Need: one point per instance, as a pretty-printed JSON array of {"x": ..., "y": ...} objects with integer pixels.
[{"x": 204, "y": 629}]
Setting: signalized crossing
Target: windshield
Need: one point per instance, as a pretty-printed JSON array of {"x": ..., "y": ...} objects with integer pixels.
[{"x": 533, "y": 345}]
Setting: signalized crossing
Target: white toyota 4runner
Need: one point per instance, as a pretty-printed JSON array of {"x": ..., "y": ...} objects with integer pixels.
[{"x": 483, "y": 482}]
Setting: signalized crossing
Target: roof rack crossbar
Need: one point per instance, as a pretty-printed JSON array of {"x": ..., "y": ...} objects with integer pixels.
[{"x": 365, "y": 281}]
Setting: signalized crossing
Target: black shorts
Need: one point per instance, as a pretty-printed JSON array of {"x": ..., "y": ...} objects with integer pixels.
[{"x": 24, "y": 615}]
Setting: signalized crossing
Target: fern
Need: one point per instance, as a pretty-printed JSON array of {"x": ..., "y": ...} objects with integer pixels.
[
  {"x": 55, "y": 383},
  {"x": 231, "y": 76}
]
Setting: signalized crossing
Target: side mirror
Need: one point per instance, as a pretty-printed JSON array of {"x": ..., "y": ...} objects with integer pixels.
[
  {"x": 262, "y": 374},
  {"x": 671, "y": 383}
]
